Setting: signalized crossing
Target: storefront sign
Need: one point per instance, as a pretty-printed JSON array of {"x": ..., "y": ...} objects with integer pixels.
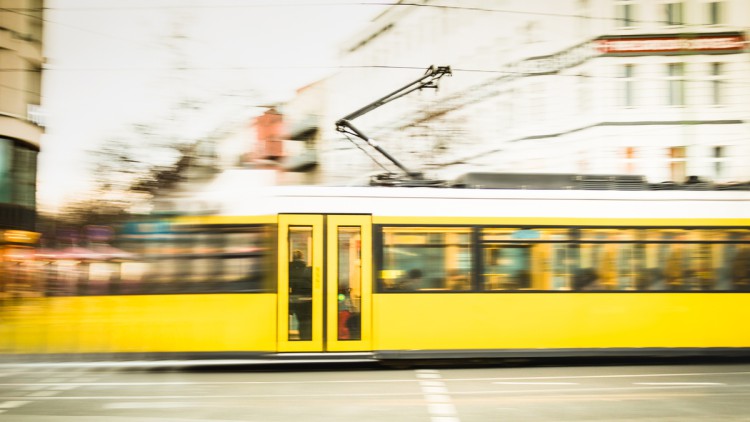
[
  {"x": 631, "y": 46},
  {"x": 677, "y": 44}
]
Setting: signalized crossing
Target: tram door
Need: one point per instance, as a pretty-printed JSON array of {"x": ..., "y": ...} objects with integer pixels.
[{"x": 325, "y": 283}]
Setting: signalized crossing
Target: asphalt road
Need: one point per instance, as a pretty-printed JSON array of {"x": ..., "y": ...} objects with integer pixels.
[{"x": 692, "y": 391}]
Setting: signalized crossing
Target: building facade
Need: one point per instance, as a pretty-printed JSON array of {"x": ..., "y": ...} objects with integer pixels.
[
  {"x": 659, "y": 88},
  {"x": 20, "y": 97},
  {"x": 21, "y": 60}
]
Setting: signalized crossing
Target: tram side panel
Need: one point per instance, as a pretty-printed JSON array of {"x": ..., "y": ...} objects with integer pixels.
[
  {"x": 201, "y": 289},
  {"x": 560, "y": 322},
  {"x": 612, "y": 286}
]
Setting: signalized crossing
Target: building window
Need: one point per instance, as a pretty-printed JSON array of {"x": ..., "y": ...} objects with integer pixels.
[
  {"x": 628, "y": 85},
  {"x": 33, "y": 83},
  {"x": 677, "y": 164},
  {"x": 676, "y": 83},
  {"x": 585, "y": 15},
  {"x": 719, "y": 155},
  {"x": 630, "y": 158},
  {"x": 531, "y": 32},
  {"x": 674, "y": 14},
  {"x": 715, "y": 12},
  {"x": 537, "y": 104},
  {"x": 625, "y": 14},
  {"x": 6, "y": 165},
  {"x": 24, "y": 177},
  {"x": 17, "y": 174},
  {"x": 717, "y": 91},
  {"x": 583, "y": 92}
]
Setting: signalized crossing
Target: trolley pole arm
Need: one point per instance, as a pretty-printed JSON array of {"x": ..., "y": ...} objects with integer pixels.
[
  {"x": 343, "y": 123},
  {"x": 428, "y": 80}
]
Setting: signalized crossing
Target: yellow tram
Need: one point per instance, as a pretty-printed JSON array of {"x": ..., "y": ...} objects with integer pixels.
[{"x": 392, "y": 273}]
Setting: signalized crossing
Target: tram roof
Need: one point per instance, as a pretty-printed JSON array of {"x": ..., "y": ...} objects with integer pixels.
[
  {"x": 508, "y": 195},
  {"x": 490, "y": 202}
]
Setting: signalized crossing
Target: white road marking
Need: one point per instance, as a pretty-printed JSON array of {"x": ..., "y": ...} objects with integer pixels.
[
  {"x": 80, "y": 382},
  {"x": 535, "y": 383},
  {"x": 439, "y": 403},
  {"x": 438, "y": 398},
  {"x": 63, "y": 387},
  {"x": 679, "y": 383},
  {"x": 180, "y": 383},
  {"x": 596, "y": 389},
  {"x": 441, "y": 409},
  {"x": 12, "y": 404},
  {"x": 150, "y": 405},
  {"x": 565, "y": 377},
  {"x": 426, "y": 383},
  {"x": 235, "y": 396},
  {"x": 425, "y": 375},
  {"x": 401, "y": 394}
]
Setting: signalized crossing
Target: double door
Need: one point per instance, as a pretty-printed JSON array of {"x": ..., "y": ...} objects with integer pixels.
[{"x": 325, "y": 283}]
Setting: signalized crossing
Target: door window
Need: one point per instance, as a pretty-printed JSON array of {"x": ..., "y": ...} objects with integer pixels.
[{"x": 300, "y": 283}]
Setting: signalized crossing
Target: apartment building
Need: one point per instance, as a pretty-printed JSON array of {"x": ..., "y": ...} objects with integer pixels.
[
  {"x": 20, "y": 96},
  {"x": 653, "y": 87},
  {"x": 21, "y": 128}
]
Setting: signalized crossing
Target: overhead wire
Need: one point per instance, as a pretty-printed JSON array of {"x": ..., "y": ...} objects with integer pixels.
[
  {"x": 347, "y": 4},
  {"x": 346, "y": 134}
]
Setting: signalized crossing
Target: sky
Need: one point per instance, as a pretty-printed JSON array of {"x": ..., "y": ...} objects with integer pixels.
[{"x": 112, "y": 64}]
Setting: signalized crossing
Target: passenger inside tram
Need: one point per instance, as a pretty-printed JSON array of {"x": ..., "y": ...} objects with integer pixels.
[{"x": 300, "y": 294}]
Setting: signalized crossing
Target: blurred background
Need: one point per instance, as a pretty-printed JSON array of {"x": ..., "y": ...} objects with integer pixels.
[{"x": 115, "y": 109}]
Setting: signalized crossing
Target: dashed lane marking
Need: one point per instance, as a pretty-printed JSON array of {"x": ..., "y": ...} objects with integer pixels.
[{"x": 439, "y": 404}]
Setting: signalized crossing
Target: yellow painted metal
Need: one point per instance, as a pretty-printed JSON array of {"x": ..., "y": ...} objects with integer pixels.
[
  {"x": 333, "y": 224},
  {"x": 148, "y": 323},
  {"x": 560, "y": 321},
  {"x": 224, "y": 219},
  {"x": 317, "y": 257},
  {"x": 537, "y": 221},
  {"x": 259, "y": 321}
]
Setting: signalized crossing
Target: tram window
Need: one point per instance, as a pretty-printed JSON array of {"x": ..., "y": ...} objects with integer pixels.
[
  {"x": 735, "y": 262},
  {"x": 560, "y": 274},
  {"x": 300, "y": 281},
  {"x": 240, "y": 274},
  {"x": 200, "y": 269},
  {"x": 507, "y": 267},
  {"x": 607, "y": 234},
  {"x": 195, "y": 260},
  {"x": 426, "y": 259},
  {"x": 504, "y": 234},
  {"x": 349, "y": 297}
]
